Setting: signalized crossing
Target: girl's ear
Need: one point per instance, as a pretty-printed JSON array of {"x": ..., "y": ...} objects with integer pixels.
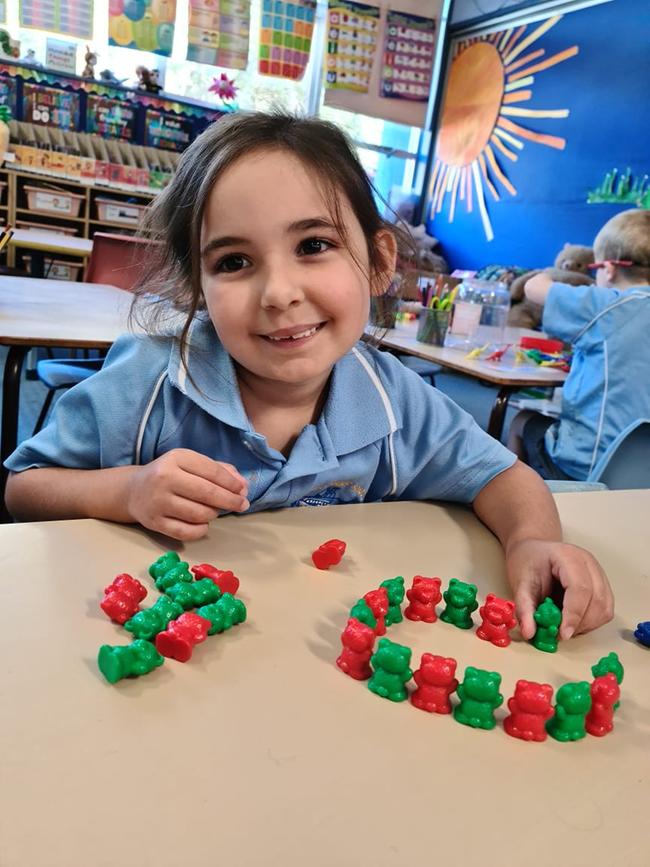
[{"x": 386, "y": 246}]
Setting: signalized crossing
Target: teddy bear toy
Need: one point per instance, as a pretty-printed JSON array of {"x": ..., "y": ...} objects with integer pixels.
[
  {"x": 498, "y": 619},
  {"x": 391, "y": 670},
  {"x": 358, "y": 642},
  {"x": 479, "y": 697},
  {"x": 435, "y": 680},
  {"x": 573, "y": 703},
  {"x": 570, "y": 267},
  {"x": 605, "y": 693},
  {"x": 461, "y": 601},
  {"x": 530, "y": 708},
  {"x": 91, "y": 61},
  {"x": 423, "y": 596}
]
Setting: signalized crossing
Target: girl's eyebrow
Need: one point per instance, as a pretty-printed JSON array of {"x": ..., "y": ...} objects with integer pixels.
[{"x": 291, "y": 228}]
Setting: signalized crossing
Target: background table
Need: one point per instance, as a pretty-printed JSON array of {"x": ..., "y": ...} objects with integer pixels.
[
  {"x": 260, "y": 752},
  {"x": 506, "y": 374},
  {"x": 54, "y": 313},
  {"x": 42, "y": 242}
]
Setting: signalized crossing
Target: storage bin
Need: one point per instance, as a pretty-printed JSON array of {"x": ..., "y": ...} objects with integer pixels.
[
  {"x": 44, "y": 227},
  {"x": 54, "y": 201},
  {"x": 114, "y": 211},
  {"x": 59, "y": 269}
]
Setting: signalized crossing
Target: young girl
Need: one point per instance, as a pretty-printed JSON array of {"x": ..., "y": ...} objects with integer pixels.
[{"x": 271, "y": 247}]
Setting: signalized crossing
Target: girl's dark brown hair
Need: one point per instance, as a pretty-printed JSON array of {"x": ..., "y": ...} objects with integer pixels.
[{"x": 173, "y": 221}]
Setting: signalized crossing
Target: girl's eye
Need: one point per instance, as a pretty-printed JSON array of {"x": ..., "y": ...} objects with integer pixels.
[
  {"x": 312, "y": 246},
  {"x": 231, "y": 264}
]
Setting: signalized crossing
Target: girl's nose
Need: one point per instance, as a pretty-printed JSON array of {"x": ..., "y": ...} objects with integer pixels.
[{"x": 280, "y": 288}]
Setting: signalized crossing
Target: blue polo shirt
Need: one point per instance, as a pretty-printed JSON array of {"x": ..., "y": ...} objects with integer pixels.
[
  {"x": 383, "y": 434},
  {"x": 608, "y": 388}
]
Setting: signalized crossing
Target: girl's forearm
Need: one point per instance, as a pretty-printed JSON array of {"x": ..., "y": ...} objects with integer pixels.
[{"x": 58, "y": 494}]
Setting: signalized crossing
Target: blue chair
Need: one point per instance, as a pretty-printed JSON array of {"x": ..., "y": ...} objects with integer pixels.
[
  {"x": 56, "y": 374},
  {"x": 425, "y": 369}
]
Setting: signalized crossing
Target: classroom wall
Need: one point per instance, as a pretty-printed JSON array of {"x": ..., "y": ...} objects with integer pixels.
[{"x": 604, "y": 87}]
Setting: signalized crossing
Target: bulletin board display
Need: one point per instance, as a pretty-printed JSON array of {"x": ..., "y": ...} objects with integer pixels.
[
  {"x": 70, "y": 17},
  {"x": 111, "y": 118},
  {"x": 409, "y": 45},
  {"x": 286, "y": 34},
  {"x": 352, "y": 35},
  {"x": 167, "y": 131},
  {"x": 219, "y": 33},
  {"x": 144, "y": 25},
  {"x": 47, "y": 106}
]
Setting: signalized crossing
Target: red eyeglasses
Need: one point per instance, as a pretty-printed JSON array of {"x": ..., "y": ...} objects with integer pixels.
[{"x": 624, "y": 263}]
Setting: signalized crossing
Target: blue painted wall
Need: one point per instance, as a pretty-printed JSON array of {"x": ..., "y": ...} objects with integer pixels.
[{"x": 606, "y": 89}]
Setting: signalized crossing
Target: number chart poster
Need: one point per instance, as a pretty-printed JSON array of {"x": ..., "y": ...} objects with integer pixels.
[
  {"x": 47, "y": 106},
  {"x": 285, "y": 37},
  {"x": 145, "y": 25},
  {"x": 110, "y": 118},
  {"x": 408, "y": 56},
  {"x": 352, "y": 31},
  {"x": 218, "y": 32},
  {"x": 71, "y": 17}
]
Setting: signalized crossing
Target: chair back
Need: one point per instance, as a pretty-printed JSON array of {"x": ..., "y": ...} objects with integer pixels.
[
  {"x": 626, "y": 464},
  {"x": 118, "y": 260}
]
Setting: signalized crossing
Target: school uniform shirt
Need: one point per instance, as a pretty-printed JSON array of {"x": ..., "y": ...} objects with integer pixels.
[
  {"x": 383, "y": 433},
  {"x": 607, "y": 389}
]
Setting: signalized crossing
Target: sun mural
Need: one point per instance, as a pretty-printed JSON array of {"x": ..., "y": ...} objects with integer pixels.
[{"x": 482, "y": 121}]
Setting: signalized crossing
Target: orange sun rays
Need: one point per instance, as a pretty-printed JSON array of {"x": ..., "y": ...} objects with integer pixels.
[{"x": 483, "y": 117}]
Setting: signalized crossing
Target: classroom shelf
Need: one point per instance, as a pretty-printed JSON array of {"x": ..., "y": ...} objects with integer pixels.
[{"x": 64, "y": 218}]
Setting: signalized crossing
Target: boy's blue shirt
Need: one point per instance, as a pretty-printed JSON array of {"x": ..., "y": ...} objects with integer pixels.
[
  {"x": 383, "y": 433},
  {"x": 608, "y": 388}
]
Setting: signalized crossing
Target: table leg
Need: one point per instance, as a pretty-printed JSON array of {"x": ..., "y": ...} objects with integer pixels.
[
  {"x": 498, "y": 414},
  {"x": 10, "y": 398}
]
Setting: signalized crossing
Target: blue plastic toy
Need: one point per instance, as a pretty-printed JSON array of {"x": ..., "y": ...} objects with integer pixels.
[{"x": 642, "y": 633}]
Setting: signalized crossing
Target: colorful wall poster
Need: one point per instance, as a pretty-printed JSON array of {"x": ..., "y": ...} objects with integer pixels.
[
  {"x": 8, "y": 93},
  {"x": 60, "y": 55},
  {"x": 48, "y": 106},
  {"x": 71, "y": 17},
  {"x": 409, "y": 45},
  {"x": 3, "y": 12},
  {"x": 167, "y": 131},
  {"x": 218, "y": 32},
  {"x": 145, "y": 25},
  {"x": 285, "y": 37},
  {"x": 110, "y": 118},
  {"x": 352, "y": 30}
]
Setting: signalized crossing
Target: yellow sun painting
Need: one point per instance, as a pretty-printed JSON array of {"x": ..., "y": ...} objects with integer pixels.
[{"x": 483, "y": 119}]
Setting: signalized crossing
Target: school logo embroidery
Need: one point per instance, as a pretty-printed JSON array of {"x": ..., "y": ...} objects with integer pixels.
[{"x": 337, "y": 492}]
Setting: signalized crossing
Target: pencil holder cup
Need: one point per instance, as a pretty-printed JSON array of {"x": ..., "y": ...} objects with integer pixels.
[
  {"x": 432, "y": 326},
  {"x": 383, "y": 310}
]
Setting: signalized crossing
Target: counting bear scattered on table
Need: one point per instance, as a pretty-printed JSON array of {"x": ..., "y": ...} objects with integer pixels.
[
  {"x": 435, "y": 680},
  {"x": 358, "y": 640},
  {"x": 479, "y": 697},
  {"x": 390, "y": 670},
  {"x": 530, "y": 707},
  {"x": 395, "y": 590},
  {"x": 148, "y": 623},
  {"x": 132, "y": 660},
  {"x": 461, "y": 601},
  {"x": 548, "y": 618},
  {"x": 191, "y": 595},
  {"x": 572, "y": 704},
  {"x": 423, "y": 596},
  {"x": 223, "y": 614},
  {"x": 498, "y": 620},
  {"x": 605, "y": 693}
]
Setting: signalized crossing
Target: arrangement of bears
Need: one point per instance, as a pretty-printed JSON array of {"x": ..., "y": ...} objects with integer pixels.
[{"x": 580, "y": 708}]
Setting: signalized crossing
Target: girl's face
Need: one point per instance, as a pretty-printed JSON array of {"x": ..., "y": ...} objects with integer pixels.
[{"x": 286, "y": 297}]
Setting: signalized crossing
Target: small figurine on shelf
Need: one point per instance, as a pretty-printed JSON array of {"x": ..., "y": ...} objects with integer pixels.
[
  {"x": 9, "y": 47},
  {"x": 108, "y": 77},
  {"x": 91, "y": 61},
  {"x": 30, "y": 58},
  {"x": 148, "y": 79},
  {"x": 226, "y": 90}
]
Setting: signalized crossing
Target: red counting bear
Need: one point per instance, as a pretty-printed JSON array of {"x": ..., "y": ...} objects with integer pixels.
[
  {"x": 178, "y": 640},
  {"x": 498, "y": 620},
  {"x": 358, "y": 643},
  {"x": 122, "y": 597},
  {"x": 377, "y": 601},
  {"x": 328, "y": 554},
  {"x": 435, "y": 682},
  {"x": 529, "y": 708},
  {"x": 605, "y": 692},
  {"x": 423, "y": 595},
  {"x": 225, "y": 580}
]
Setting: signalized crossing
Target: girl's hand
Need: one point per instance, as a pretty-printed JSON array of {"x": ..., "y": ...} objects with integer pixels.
[
  {"x": 180, "y": 492},
  {"x": 533, "y": 566}
]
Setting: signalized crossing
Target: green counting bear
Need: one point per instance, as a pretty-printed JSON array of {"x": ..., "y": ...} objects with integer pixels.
[
  {"x": 175, "y": 575},
  {"x": 548, "y": 618},
  {"x": 573, "y": 703},
  {"x": 139, "y": 657},
  {"x": 362, "y": 612},
  {"x": 189, "y": 595},
  {"x": 609, "y": 664},
  {"x": 395, "y": 590},
  {"x": 163, "y": 564},
  {"x": 149, "y": 622},
  {"x": 479, "y": 697},
  {"x": 391, "y": 670},
  {"x": 461, "y": 601},
  {"x": 226, "y": 612}
]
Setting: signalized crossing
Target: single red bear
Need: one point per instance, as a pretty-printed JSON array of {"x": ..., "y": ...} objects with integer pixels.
[
  {"x": 435, "y": 682},
  {"x": 529, "y": 708},
  {"x": 423, "y": 595},
  {"x": 605, "y": 692},
  {"x": 358, "y": 642},
  {"x": 122, "y": 597},
  {"x": 498, "y": 620},
  {"x": 377, "y": 601},
  {"x": 178, "y": 640},
  {"x": 223, "y": 578}
]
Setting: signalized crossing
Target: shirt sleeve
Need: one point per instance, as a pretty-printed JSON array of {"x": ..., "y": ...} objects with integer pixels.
[
  {"x": 94, "y": 425},
  {"x": 569, "y": 309},
  {"x": 440, "y": 451}
]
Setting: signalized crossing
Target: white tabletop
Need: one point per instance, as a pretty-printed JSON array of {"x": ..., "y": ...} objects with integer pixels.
[
  {"x": 259, "y": 752},
  {"x": 51, "y": 242}
]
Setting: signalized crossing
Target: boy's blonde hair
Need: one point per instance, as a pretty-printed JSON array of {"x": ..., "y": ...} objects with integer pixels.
[{"x": 627, "y": 236}]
